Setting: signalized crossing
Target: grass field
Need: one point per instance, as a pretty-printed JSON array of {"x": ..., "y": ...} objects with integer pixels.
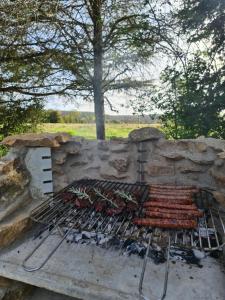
[{"x": 88, "y": 130}]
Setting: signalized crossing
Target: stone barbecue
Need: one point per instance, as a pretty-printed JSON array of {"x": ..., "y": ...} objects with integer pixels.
[{"x": 84, "y": 265}]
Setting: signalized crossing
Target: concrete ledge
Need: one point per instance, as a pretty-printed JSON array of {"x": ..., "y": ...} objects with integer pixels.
[{"x": 92, "y": 273}]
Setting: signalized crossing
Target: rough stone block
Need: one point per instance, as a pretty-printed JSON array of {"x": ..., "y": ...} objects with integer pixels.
[
  {"x": 11, "y": 231},
  {"x": 173, "y": 155},
  {"x": 50, "y": 140},
  {"x": 110, "y": 173},
  {"x": 219, "y": 176},
  {"x": 145, "y": 134},
  {"x": 156, "y": 169},
  {"x": 59, "y": 157},
  {"x": 121, "y": 164},
  {"x": 72, "y": 147}
]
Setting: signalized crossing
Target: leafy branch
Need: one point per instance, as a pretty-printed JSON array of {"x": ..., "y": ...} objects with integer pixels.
[
  {"x": 104, "y": 197},
  {"x": 81, "y": 194},
  {"x": 128, "y": 197}
]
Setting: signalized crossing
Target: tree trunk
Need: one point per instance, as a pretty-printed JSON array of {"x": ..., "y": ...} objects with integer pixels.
[{"x": 98, "y": 72}]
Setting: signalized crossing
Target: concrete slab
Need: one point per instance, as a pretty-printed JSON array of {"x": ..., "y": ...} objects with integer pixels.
[
  {"x": 44, "y": 294},
  {"x": 92, "y": 273}
]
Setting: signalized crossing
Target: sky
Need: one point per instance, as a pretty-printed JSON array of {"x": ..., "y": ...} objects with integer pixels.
[{"x": 119, "y": 100}]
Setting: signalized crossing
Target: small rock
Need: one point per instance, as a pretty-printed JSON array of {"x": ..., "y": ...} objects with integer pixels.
[
  {"x": 145, "y": 134},
  {"x": 173, "y": 155},
  {"x": 120, "y": 164},
  {"x": 109, "y": 173}
]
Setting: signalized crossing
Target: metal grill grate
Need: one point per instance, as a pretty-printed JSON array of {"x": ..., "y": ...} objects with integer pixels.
[{"x": 117, "y": 230}]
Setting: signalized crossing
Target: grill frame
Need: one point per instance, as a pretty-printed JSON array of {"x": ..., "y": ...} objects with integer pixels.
[{"x": 57, "y": 213}]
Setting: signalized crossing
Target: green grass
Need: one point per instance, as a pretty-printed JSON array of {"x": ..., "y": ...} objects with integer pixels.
[{"x": 88, "y": 130}]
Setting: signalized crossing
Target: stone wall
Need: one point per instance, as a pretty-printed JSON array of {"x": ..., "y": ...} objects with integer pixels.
[{"x": 198, "y": 162}]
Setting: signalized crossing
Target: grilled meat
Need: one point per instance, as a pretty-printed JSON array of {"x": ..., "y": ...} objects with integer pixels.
[{"x": 166, "y": 223}]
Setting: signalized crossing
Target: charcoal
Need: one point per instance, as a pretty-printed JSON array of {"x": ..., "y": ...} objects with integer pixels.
[
  {"x": 104, "y": 240},
  {"x": 185, "y": 254},
  {"x": 216, "y": 254},
  {"x": 70, "y": 237},
  {"x": 88, "y": 235},
  {"x": 158, "y": 256},
  {"x": 128, "y": 242},
  {"x": 77, "y": 237},
  {"x": 199, "y": 254},
  {"x": 135, "y": 248},
  {"x": 114, "y": 242}
]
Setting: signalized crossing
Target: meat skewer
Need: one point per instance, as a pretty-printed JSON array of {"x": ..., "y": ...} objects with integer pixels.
[
  {"x": 193, "y": 213},
  {"x": 166, "y": 223}
]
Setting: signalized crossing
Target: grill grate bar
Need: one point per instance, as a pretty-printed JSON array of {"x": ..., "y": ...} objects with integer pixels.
[{"x": 206, "y": 236}]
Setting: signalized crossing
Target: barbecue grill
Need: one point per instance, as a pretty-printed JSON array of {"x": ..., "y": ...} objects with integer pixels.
[{"x": 117, "y": 231}]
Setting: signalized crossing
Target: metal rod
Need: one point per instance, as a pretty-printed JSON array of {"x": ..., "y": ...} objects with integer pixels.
[
  {"x": 140, "y": 287},
  {"x": 32, "y": 269},
  {"x": 167, "y": 271}
]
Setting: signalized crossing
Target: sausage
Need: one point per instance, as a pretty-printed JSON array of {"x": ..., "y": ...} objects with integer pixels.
[
  {"x": 153, "y": 195},
  {"x": 177, "y": 201},
  {"x": 163, "y": 215},
  {"x": 194, "y": 213},
  {"x": 169, "y": 205},
  {"x": 169, "y": 186},
  {"x": 166, "y": 223},
  {"x": 173, "y": 187},
  {"x": 172, "y": 193}
]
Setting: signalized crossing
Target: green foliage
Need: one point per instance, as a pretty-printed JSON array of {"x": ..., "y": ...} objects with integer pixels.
[
  {"x": 204, "y": 20},
  {"x": 3, "y": 150},
  {"x": 192, "y": 101},
  {"x": 20, "y": 116},
  {"x": 78, "y": 117},
  {"x": 53, "y": 116}
]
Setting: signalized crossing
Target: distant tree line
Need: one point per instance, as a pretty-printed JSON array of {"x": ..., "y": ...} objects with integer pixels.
[{"x": 56, "y": 116}]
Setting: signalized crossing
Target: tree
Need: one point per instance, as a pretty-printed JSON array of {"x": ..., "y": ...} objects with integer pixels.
[
  {"x": 101, "y": 44},
  {"x": 19, "y": 116},
  {"x": 193, "y": 100},
  {"x": 25, "y": 57},
  {"x": 53, "y": 116},
  {"x": 82, "y": 48}
]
